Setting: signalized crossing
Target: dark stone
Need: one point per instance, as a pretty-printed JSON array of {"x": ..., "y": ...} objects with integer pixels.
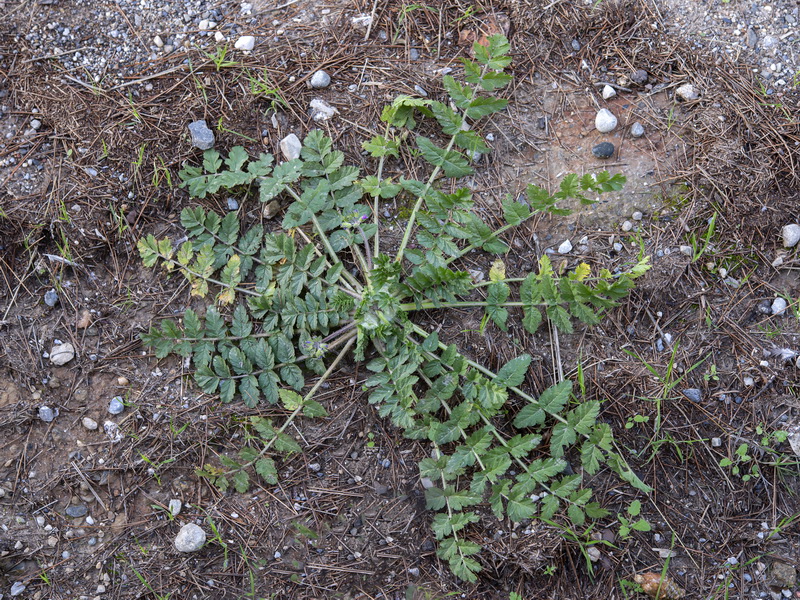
[
  {"x": 639, "y": 77},
  {"x": 77, "y": 511},
  {"x": 693, "y": 394},
  {"x": 603, "y": 150}
]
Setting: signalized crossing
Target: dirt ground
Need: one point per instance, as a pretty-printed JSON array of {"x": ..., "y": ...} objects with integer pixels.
[{"x": 693, "y": 366}]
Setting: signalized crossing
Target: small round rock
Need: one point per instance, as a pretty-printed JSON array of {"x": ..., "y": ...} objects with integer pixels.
[
  {"x": 605, "y": 121},
  {"x": 608, "y": 92},
  {"x": 320, "y": 80},
  {"x": 637, "y": 130},
  {"x": 77, "y": 511},
  {"x": 603, "y": 150},
  {"x": 61, "y": 354},
  {"x": 46, "y": 414},
  {"x": 51, "y": 298},
  {"x": 245, "y": 43},
  {"x": 639, "y": 77},
  {"x": 779, "y": 306},
  {"x": 627, "y": 226},
  {"x": 637, "y": 216},
  {"x": 116, "y": 406},
  {"x": 190, "y": 538},
  {"x": 89, "y": 423},
  {"x": 790, "y": 234},
  {"x": 565, "y": 247},
  {"x": 693, "y": 394},
  {"x": 686, "y": 92}
]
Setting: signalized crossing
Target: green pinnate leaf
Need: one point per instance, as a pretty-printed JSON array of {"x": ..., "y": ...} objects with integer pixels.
[
  {"x": 265, "y": 467},
  {"x": 513, "y": 372},
  {"x": 563, "y": 435},
  {"x": 453, "y": 163}
]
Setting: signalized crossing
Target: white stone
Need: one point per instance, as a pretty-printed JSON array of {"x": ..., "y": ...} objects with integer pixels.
[
  {"x": 17, "y": 589},
  {"x": 321, "y": 110},
  {"x": 605, "y": 121},
  {"x": 291, "y": 147},
  {"x": 246, "y": 43},
  {"x": 204, "y": 25},
  {"x": 61, "y": 354},
  {"x": 89, "y": 423},
  {"x": 748, "y": 382},
  {"x": 627, "y": 226},
  {"x": 175, "y": 507},
  {"x": 637, "y": 216},
  {"x": 219, "y": 36},
  {"x": 791, "y": 235},
  {"x": 190, "y": 538},
  {"x": 158, "y": 41},
  {"x": 608, "y": 92},
  {"x": 686, "y": 92},
  {"x": 637, "y": 130},
  {"x": 565, "y": 247},
  {"x": 716, "y": 442},
  {"x": 320, "y": 80},
  {"x": 36, "y": 124},
  {"x": 687, "y": 250},
  {"x": 779, "y": 306}
]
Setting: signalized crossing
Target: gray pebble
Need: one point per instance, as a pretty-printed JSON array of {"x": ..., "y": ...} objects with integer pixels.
[
  {"x": 89, "y": 423},
  {"x": 386, "y": 463},
  {"x": 232, "y": 204},
  {"x": 46, "y": 414},
  {"x": 36, "y": 124},
  {"x": 61, "y": 354},
  {"x": 693, "y": 394},
  {"x": 779, "y": 306},
  {"x": 576, "y": 45},
  {"x": 291, "y": 146},
  {"x": 752, "y": 38},
  {"x": 605, "y": 121},
  {"x": 413, "y": 54},
  {"x": 637, "y": 130},
  {"x": 175, "y": 506},
  {"x": 639, "y": 77},
  {"x": 77, "y": 511},
  {"x": 17, "y": 588},
  {"x": 116, "y": 406},
  {"x": 190, "y": 538},
  {"x": 320, "y": 80},
  {"x": 202, "y": 136},
  {"x": 420, "y": 90},
  {"x": 603, "y": 150},
  {"x": 790, "y": 234},
  {"x": 51, "y": 298},
  {"x": 637, "y": 216},
  {"x": 686, "y": 92}
]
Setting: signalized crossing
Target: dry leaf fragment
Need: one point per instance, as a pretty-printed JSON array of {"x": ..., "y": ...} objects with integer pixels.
[{"x": 658, "y": 587}]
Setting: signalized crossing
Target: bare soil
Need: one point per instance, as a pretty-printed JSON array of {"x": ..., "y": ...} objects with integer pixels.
[{"x": 348, "y": 519}]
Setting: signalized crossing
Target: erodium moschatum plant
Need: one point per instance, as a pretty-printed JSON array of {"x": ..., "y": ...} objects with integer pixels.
[{"x": 289, "y": 304}]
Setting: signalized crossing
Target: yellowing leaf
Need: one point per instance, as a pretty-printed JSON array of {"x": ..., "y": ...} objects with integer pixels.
[
  {"x": 498, "y": 271},
  {"x": 291, "y": 400},
  {"x": 582, "y": 271}
]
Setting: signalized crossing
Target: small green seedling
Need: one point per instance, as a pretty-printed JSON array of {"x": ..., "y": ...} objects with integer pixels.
[{"x": 629, "y": 523}]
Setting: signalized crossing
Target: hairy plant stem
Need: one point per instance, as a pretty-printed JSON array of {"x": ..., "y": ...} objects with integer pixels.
[
  {"x": 377, "y": 201},
  {"x": 306, "y": 398},
  {"x": 411, "y": 306},
  {"x": 412, "y": 219}
]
